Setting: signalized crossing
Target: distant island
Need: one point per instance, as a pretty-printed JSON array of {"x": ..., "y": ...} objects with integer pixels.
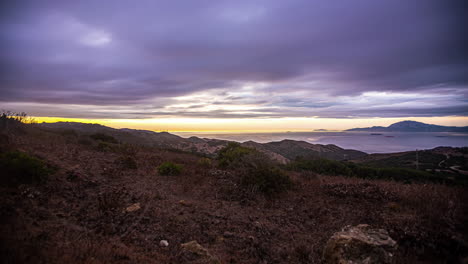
[{"x": 412, "y": 126}]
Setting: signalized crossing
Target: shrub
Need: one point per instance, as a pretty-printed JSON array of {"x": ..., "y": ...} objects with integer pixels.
[
  {"x": 231, "y": 155},
  {"x": 20, "y": 168},
  {"x": 128, "y": 149},
  {"x": 204, "y": 162},
  {"x": 322, "y": 166},
  {"x": 85, "y": 141},
  {"x": 331, "y": 167},
  {"x": 127, "y": 163},
  {"x": 258, "y": 173},
  {"x": 266, "y": 179},
  {"x": 104, "y": 147},
  {"x": 169, "y": 168},
  {"x": 68, "y": 132},
  {"x": 104, "y": 138}
]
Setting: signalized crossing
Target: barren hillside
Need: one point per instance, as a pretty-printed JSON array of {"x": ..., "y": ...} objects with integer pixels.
[{"x": 108, "y": 203}]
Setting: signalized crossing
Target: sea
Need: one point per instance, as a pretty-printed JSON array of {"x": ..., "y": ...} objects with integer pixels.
[{"x": 369, "y": 142}]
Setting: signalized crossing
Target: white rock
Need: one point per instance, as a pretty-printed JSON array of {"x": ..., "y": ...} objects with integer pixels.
[{"x": 163, "y": 243}]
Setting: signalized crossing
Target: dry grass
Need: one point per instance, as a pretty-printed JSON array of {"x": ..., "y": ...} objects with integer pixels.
[{"x": 78, "y": 216}]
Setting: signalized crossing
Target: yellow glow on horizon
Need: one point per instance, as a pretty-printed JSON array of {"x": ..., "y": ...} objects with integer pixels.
[{"x": 249, "y": 125}]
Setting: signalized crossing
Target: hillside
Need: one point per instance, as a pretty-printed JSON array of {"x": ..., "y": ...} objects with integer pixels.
[
  {"x": 95, "y": 204},
  {"x": 412, "y": 126},
  {"x": 142, "y": 137},
  {"x": 291, "y": 149},
  {"x": 280, "y": 151},
  {"x": 440, "y": 159}
]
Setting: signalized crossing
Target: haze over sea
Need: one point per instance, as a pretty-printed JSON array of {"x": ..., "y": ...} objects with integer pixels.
[{"x": 387, "y": 142}]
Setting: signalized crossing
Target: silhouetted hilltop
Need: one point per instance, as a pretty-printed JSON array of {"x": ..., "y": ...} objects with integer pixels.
[
  {"x": 280, "y": 151},
  {"x": 291, "y": 149},
  {"x": 412, "y": 126}
]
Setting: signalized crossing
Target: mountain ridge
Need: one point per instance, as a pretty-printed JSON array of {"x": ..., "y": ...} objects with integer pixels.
[
  {"x": 281, "y": 151},
  {"x": 411, "y": 126}
]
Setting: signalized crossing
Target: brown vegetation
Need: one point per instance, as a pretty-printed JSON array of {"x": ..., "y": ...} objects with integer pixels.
[{"x": 78, "y": 215}]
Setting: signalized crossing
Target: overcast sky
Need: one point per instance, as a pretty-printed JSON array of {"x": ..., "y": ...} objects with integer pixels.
[{"x": 234, "y": 59}]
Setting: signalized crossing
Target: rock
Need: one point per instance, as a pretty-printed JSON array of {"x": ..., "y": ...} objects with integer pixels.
[
  {"x": 228, "y": 234},
  {"x": 163, "y": 243},
  {"x": 30, "y": 193},
  {"x": 199, "y": 251},
  {"x": 185, "y": 203},
  {"x": 133, "y": 207},
  {"x": 359, "y": 245}
]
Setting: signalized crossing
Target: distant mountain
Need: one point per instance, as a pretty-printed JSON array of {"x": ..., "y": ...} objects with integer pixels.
[
  {"x": 412, "y": 126},
  {"x": 281, "y": 151}
]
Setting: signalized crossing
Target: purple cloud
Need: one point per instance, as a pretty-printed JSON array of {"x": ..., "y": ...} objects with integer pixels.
[{"x": 296, "y": 55}]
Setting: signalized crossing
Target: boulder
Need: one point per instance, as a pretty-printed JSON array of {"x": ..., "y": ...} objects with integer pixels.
[{"x": 359, "y": 245}]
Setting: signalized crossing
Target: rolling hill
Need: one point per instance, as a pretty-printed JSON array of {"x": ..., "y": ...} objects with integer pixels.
[{"x": 281, "y": 151}]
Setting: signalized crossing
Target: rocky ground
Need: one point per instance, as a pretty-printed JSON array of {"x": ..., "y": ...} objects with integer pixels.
[{"x": 96, "y": 209}]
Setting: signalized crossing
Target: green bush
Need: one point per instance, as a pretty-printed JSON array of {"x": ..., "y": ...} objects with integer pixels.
[
  {"x": 258, "y": 172},
  {"x": 20, "y": 168},
  {"x": 169, "y": 168},
  {"x": 232, "y": 154},
  {"x": 266, "y": 179},
  {"x": 104, "y": 138}
]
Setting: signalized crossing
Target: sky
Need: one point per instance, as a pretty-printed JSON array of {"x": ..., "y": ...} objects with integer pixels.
[{"x": 236, "y": 65}]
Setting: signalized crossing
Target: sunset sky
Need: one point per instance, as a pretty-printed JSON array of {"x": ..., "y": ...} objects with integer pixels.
[{"x": 292, "y": 65}]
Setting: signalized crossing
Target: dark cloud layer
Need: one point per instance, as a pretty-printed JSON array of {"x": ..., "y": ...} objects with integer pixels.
[{"x": 134, "y": 53}]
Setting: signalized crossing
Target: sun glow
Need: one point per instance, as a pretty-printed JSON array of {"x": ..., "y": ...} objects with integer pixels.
[{"x": 249, "y": 125}]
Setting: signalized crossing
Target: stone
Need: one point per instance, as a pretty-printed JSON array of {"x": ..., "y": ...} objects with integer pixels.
[
  {"x": 199, "y": 251},
  {"x": 228, "y": 234},
  {"x": 359, "y": 245},
  {"x": 163, "y": 243},
  {"x": 133, "y": 207},
  {"x": 185, "y": 203}
]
